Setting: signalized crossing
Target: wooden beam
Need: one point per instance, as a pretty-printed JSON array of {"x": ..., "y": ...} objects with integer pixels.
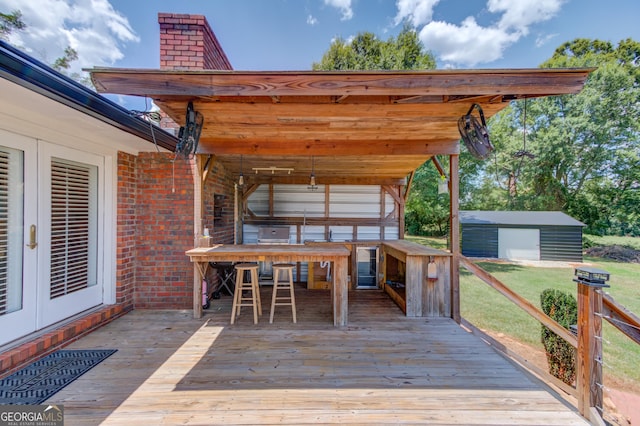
[
  {"x": 404, "y": 83},
  {"x": 621, "y": 318},
  {"x": 327, "y": 180},
  {"x": 271, "y": 200},
  {"x": 307, "y": 145},
  {"x": 393, "y": 192},
  {"x": 454, "y": 236},
  {"x": 206, "y": 168},
  {"x": 198, "y": 210},
  {"x": 318, "y": 221},
  {"x": 408, "y": 187}
]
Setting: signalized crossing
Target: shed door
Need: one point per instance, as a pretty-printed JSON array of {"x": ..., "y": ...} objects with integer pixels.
[{"x": 519, "y": 244}]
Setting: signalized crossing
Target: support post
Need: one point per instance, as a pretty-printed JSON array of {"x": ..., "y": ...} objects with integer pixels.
[
  {"x": 589, "y": 352},
  {"x": 197, "y": 171},
  {"x": 589, "y": 359},
  {"x": 454, "y": 235}
]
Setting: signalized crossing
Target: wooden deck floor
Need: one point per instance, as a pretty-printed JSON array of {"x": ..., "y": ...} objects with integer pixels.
[{"x": 383, "y": 368}]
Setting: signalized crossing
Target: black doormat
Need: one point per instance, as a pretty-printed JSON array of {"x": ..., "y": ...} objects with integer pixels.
[{"x": 41, "y": 379}]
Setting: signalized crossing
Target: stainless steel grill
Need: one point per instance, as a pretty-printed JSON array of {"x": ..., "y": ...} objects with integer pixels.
[
  {"x": 273, "y": 235},
  {"x": 278, "y": 235}
]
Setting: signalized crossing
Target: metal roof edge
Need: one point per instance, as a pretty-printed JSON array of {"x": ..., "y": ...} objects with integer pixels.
[
  {"x": 488, "y": 217},
  {"x": 20, "y": 68}
]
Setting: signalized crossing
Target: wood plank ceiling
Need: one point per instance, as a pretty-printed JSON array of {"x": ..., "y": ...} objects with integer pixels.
[{"x": 359, "y": 127}]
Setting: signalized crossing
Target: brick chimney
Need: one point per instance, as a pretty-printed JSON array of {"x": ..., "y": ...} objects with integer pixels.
[{"x": 187, "y": 43}]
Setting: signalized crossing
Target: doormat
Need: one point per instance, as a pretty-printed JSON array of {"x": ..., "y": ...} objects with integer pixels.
[{"x": 41, "y": 379}]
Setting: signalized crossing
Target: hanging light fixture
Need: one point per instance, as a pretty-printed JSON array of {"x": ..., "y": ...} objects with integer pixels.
[
  {"x": 241, "y": 177},
  {"x": 312, "y": 178}
]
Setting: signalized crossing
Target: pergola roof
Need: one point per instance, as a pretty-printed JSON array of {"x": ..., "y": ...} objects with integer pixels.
[{"x": 359, "y": 127}]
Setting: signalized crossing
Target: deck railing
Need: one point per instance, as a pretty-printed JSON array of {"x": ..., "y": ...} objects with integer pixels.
[{"x": 593, "y": 306}]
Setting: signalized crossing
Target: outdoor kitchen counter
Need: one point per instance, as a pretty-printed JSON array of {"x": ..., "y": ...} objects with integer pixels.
[
  {"x": 418, "y": 278},
  {"x": 291, "y": 253}
]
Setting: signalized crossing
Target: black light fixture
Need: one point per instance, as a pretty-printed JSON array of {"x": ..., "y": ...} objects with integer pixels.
[
  {"x": 312, "y": 177},
  {"x": 241, "y": 177},
  {"x": 189, "y": 134}
]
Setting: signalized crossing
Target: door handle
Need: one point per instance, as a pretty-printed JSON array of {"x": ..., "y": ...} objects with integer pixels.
[{"x": 32, "y": 237}]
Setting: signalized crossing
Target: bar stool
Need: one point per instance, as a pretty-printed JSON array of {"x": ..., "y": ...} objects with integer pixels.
[
  {"x": 251, "y": 286},
  {"x": 278, "y": 284}
]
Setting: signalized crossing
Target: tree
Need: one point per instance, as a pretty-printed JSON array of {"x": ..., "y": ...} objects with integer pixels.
[
  {"x": 367, "y": 52},
  {"x": 426, "y": 212},
  {"x": 582, "y": 151},
  {"x": 13, "y": 22},
  {"x": 10, "y": 22}
]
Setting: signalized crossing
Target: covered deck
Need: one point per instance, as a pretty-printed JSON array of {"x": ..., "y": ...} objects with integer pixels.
[{"x": 383, "y": 368}]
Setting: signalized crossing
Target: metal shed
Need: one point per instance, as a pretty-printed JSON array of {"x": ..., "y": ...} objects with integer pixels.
[{"x": 521, "y": 235}]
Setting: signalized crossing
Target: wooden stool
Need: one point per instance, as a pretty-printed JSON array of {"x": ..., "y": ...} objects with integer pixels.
[
  {"x": 290, "y": 300},
  {"x": 251, "y": 286}
]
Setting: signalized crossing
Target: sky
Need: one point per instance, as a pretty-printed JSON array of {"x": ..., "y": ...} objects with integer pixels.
[{"x": 292, "y": 34}]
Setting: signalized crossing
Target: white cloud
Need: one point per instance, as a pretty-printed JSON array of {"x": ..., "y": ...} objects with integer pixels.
[
  {"x": 311, "y": 20},
  {"x": 543, "y": 39},
  {"x": 92, "y": 27},
  {"x": 344, "y": 6},
  {"x": 520, "y": 15},
  {"x": 418, "y": 12},
  {"x": 469, "y": 43}
]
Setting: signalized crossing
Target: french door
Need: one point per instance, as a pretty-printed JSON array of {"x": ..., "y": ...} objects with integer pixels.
[{"x": 51, "y": 261}]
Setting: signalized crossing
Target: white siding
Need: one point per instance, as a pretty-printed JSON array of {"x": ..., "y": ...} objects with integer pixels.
[
  {"x": 354, "y": 201},
  {"x": 345, "y": 201}
]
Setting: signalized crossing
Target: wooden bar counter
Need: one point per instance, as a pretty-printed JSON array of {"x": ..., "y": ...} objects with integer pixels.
[
  {"x": 292, "y": 253},
  {"x": 406, "y": 264}
]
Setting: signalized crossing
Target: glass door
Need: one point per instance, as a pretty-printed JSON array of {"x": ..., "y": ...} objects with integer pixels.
[
  {"x": 18, "y": 244},
  {"x": 69, "y": 275},
  {"x": 367, "y": 264}
]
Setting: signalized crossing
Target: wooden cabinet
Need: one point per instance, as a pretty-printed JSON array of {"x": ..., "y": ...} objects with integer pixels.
[
  {"x": 418, "y": 278},
  {"x": 317, "y": 277}
]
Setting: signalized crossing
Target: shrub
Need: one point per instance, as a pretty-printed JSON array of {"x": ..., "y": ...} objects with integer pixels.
[{"x": 561, "y": 356}]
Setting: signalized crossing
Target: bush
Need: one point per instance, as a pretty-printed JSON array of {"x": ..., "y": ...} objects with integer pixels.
[{"x": 561, "y": 356}]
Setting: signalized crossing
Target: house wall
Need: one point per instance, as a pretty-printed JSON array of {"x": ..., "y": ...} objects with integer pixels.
[
  {"x": 126, "y": 229},
  {"x": 218, "y": 200},
  {"x": 164, "y": 231}
]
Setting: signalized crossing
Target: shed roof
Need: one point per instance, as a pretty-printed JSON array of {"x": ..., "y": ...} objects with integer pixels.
[{"x": 542, "y": 218}]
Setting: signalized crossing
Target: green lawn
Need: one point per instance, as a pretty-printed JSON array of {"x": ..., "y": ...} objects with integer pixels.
[{"x": 487, "y": 309}]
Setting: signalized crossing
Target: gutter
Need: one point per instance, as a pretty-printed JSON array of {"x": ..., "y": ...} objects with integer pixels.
[{"x": 22, "y": 69}]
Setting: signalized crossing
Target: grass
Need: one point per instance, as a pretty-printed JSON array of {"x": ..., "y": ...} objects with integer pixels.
[
  {"x": 610, "y": 240},
  {"x": 489, "y": 310}
]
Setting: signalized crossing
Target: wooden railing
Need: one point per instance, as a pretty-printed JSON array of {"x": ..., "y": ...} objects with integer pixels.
[
  {"x": 593, "y": 306},
  {"x": 621, "y": 318}
]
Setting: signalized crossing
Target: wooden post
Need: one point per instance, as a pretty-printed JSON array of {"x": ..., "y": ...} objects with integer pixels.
[
  {"x": 454, "y": 235},
  {"x": 197, "y": 170},
  {"x": 589, "y": 354},
  {"x": 340, "y": 291}
]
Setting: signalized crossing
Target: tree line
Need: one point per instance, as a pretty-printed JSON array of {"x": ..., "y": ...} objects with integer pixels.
[{"x": 579, "y": 154}]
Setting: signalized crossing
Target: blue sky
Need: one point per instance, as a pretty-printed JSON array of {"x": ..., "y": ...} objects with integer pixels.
[{"x": 292, "y": 34}]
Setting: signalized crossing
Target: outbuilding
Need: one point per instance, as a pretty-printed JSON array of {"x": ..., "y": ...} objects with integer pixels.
[{"x": 521, "y": 235}]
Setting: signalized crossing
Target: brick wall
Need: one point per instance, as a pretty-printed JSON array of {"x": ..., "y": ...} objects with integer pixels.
[
  {"x": 164, "y": 275},
  {"x": 187, "y": 42},
  {"x": 219, "y": 183},
  {"x": 126, "y": 229}
]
